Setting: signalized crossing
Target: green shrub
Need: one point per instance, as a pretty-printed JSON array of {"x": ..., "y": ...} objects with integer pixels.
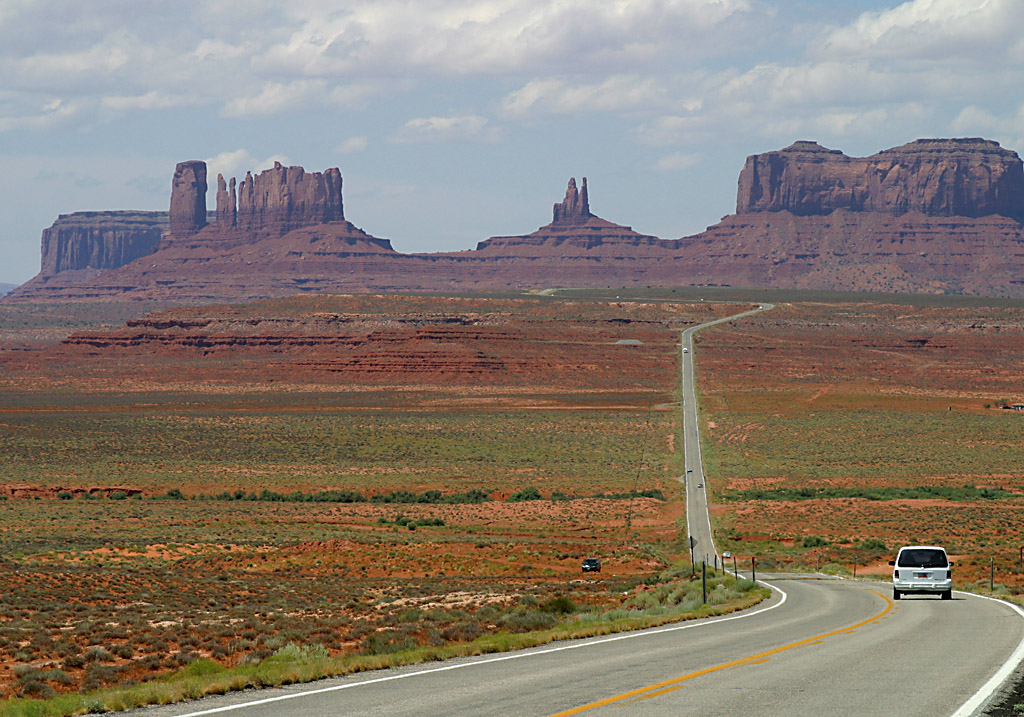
[
  {"x": 387, "y": 642},
  {"x": 815, "y": 541},
  {"x": 526, "y": 620},
  {"x": 872, "y": 544},
  {"x": 559, "y": 606},
  {"x": 528, "y": 493}
]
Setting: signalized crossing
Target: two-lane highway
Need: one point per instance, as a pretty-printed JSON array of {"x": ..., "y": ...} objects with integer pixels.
[
  {"x": 698, "y": 520},
  {"x": 818, "y": 647}
]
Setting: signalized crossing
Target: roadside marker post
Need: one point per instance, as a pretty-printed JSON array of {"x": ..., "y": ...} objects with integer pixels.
[
  {"x": 991, "y": 573},
  {"x": 735, "y": 569},
  {"x": 704, "y": 581}
]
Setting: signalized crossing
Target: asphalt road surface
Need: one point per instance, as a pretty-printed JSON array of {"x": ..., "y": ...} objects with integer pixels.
[
  {"x": 697, "y": 518},
  {"x": 817, "y": 647}
]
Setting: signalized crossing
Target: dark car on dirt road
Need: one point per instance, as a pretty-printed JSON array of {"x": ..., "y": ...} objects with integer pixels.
[{"x": 592, "y": 565}]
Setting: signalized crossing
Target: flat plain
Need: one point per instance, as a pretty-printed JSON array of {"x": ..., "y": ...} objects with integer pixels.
[
  {"x": 374, "y": 473},
  {"x": 368, "y": 474}
]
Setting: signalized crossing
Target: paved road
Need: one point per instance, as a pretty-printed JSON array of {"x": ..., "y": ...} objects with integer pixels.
[
  {"x": 697, "y": 518},
  {"x": 824, "y": 648}
]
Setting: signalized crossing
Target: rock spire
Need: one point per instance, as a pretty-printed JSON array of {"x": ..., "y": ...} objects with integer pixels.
[
  {"x": 188, "y": 198},
  {"x": 575, "y": 208}
]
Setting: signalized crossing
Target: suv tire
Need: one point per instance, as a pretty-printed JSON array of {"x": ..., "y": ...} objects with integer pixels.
[{"x": 895, "y": 594}]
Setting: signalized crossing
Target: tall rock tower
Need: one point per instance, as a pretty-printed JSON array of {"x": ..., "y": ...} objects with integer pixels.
[
  {"x": 188, "y": 198},
  {"x": 575, "y": 208}
]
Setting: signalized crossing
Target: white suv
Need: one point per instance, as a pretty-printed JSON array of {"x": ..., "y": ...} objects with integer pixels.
[{"x": 922, "y": 569}]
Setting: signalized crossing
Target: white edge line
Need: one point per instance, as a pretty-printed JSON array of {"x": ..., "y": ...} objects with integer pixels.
[
  {"x": 1002, "y": 674},
  {"x": 519, "y": 655}
]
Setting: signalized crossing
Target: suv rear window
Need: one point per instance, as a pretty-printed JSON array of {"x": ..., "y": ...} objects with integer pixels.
[{"x": 922, "y": 558}]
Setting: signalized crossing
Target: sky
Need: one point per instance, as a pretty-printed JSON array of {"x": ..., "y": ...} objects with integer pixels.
[{"x": 456, "y": 120}]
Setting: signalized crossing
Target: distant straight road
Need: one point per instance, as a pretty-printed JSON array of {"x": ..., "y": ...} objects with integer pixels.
[{"x": 697, "y": 518}]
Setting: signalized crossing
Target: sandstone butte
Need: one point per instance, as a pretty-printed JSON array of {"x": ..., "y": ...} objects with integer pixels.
[{"x": 934, "y": 216}]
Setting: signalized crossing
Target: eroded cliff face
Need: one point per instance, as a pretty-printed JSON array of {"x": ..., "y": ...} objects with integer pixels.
[
  {"x": 937, "y": 177},
  {"x": 575, "y": 208},
  {"x": 188, "y": 198},
  {"x": 281, "y": 199},
  {"x": 99, "y": 240},
  {"x": 573, "y": 228},
  {"x": 930, "y": 216}
]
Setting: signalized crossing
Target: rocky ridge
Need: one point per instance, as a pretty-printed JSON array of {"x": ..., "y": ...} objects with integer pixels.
[
  {"x": 99, "y": 241},
  {"x": 929, "y": 216},
  {"x": 935, "y": 177}
]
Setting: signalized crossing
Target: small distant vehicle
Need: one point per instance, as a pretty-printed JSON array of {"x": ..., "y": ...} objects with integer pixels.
[
  {"x": 922, "y": 569},
  {"x": 689, "y": 470},
  {"x": 591, "y": 565},
  {"x": 700, "y": 485},
  {"x": 686, "y": 350}
]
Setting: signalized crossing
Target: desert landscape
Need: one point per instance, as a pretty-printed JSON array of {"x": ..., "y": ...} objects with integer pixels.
[{"x": 361, "y": 476}]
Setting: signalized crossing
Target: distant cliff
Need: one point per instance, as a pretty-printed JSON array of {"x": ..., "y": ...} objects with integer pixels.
[
  {"x": 936, "y": 177},
  {"x": 274, "y": 202},
  {"x": 935, "y": 215},
  {"x": 100, "y": 240}
]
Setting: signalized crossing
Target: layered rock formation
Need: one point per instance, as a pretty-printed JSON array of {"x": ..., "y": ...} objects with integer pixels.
[
  {"x": 99, "y": 240},
  {"x": 572, "y": 228},
  {"x": 936, "y": 177},
  {"x": 281, "y": 199},
  {"x": 575, "y": 208},
  {"x": 188, "y": 198},
  {"x": 930, "y": 216}
]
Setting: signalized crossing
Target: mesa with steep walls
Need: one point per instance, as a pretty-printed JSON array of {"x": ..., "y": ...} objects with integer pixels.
[
  {"x": 936, "y": 177},
  {"x": 97, "y": 241},
  {"x": 933, "y": 215}
]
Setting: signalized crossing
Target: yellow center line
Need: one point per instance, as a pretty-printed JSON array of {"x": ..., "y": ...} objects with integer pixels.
[{"x": 673, "y": 684}]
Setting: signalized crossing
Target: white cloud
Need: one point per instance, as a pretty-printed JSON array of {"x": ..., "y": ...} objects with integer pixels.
[
  {"x": 618, "y": 92},
  {"x": 498, "y": 36},
  {"x": 236, "y": 163},
  {"x": 53, "y": 113},
  {"x": 675, "y": 129},
  {"x": 466, "y": 128},
  {"x": 1007, "y": 128},
  {"x": 677, "y": 162},
  {"x": 275, "y": 97},
  {"x": 352, "y": 145},
  {"x": 153, "y": 100},
  {"x": 932, "y": 29}
]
